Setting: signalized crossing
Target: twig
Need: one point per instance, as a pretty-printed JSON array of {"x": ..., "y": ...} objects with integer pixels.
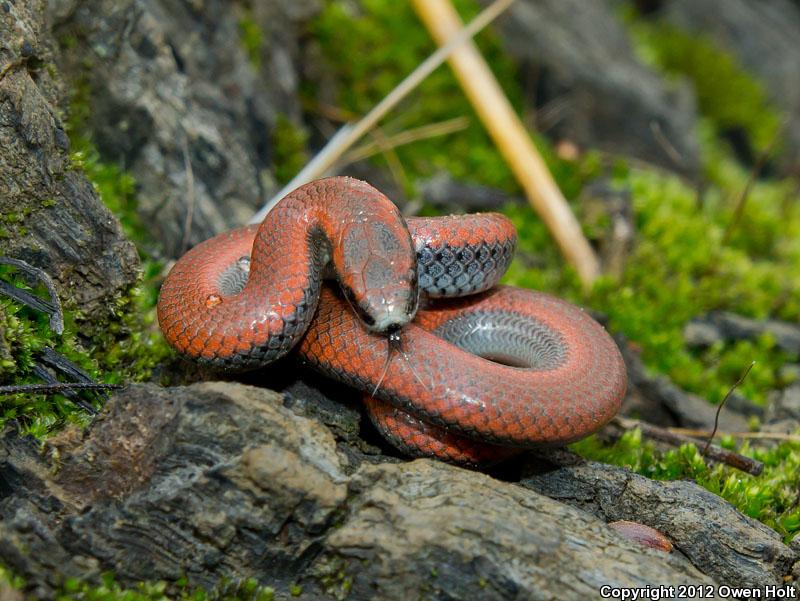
[
  {"x": 51, "y": 307},
  {"x": 715, "y": 453},
  {"x": 512, "y": 139},
  {"x": 41, "y": 372},
  {"x": 755, "y": 172},
  {"x": 351, "y": 133},
  {"x": 392, "y": 160},
  {"x": 722, "y": 404},
  {"x": 743, "y": 435},
  {"x": 48, "y": 358},
  {"x": 61, "y": 365},
  {"x": 667, "y": 146},
  {"x": 416, "y": 134}
]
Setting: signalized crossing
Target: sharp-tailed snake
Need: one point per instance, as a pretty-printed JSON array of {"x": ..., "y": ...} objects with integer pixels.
[{"x": 464, "y": 379}]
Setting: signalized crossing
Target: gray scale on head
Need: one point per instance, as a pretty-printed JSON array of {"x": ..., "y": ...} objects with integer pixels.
[
  {"x": 386, "y": 238},
  {"x": 506, "y": 337}
]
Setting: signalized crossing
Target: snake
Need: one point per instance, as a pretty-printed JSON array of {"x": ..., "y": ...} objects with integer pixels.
[{"x": 451, "y": 365}]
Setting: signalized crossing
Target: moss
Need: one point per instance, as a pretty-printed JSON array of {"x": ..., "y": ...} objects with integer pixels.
[
  {"x": 690, "y": 257},
  {"x": 727, "y": 94},
  {"x": 331, "y": 574},
  {"x": 23, "y": 334},
  {"x": 681, "y": 267},
  {"x": 108, "y": 589},
  {"x": 128, "y": 345},
  {"x": 251, "y": 37},
  {"x": 289, "y": 149},
  {"x": 126, "y": 348}
]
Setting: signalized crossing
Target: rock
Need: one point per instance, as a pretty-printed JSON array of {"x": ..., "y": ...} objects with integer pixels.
[
  {"x": 762, "y": 35},
  {"x": 177, "y": 101},
  {"x": 50, "y": 215},
  {"x": 590, "y": 89},
  {"x": 720, "y": 541},
  {"x": 789, "y": 372},
  {"x": 783, "y": 410},
  {"x": 601, "y": 203},
  {"x": 722, "y": 326},
  {"x": 443, "y": 192},
  {"x": 223, "y": 480},
  {"x": 426, "y": 527}
]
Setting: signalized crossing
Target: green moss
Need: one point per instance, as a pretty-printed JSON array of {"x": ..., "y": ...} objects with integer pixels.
[
  {"x": 680, "y": 269},
  {"x": 331, "y": 574},
  {"x": 251, "y": 37},
  {"x": 689, "y": 258},
  {"x": 108, "y": 589},
  {"x": 23, "y": 334},
  {"x": 129, "y": 345},
  {"x": 726, "y": 93},
  {"x": 125, "y": 348},
  {"x": 289, "y": 149},
  {"x": 116, "y": 188}
]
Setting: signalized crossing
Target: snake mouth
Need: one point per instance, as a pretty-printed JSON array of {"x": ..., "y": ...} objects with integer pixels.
[
  {"x": 393, "y": 336},
  {"x": 382, "y": 318}
]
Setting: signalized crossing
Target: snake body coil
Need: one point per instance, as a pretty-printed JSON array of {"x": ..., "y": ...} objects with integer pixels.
[{"x": 496, "y": 366}]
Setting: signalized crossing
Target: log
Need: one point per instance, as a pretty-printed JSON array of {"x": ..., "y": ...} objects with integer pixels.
[
  {"x": 223, "y": 480},
  {"x": 50, "y": 215},
  {"x": 732, "y": 548}
]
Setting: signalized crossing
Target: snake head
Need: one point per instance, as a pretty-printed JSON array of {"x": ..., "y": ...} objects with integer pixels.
[
  {"x": 387, "y": 308},
  {"x": 376, "y": 264}
]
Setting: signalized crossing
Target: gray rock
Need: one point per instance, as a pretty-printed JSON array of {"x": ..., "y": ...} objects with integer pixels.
[
  {"x": 50, "y": 215},
  {"x": 223, "y": 480},
  {"x": 722, "y": 326},
  {"x": 591, "y": 89},
  {"x": 444, "y": 192},
  {"x": 176, "y": 100},
  {"x": 783, "y": 410},
  {"x": 602, "y": 202},
  {"x": 763, "y": 35}
]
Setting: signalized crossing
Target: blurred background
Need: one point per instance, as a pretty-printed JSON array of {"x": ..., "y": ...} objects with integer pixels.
[{"x": 672, "y": 127}]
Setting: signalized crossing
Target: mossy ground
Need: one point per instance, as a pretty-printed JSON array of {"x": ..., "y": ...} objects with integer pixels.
[
  {"x": 110, "y": 590},
  {"x": 692, "y": 253},
  {"x": 125, "y": 347}
]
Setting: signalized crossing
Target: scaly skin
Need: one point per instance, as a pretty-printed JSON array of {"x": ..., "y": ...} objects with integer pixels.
[
  {"x": 454, "y": 392},
  {"x": 338, "y": 220},
  {"x": 434, "y": 398}
]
